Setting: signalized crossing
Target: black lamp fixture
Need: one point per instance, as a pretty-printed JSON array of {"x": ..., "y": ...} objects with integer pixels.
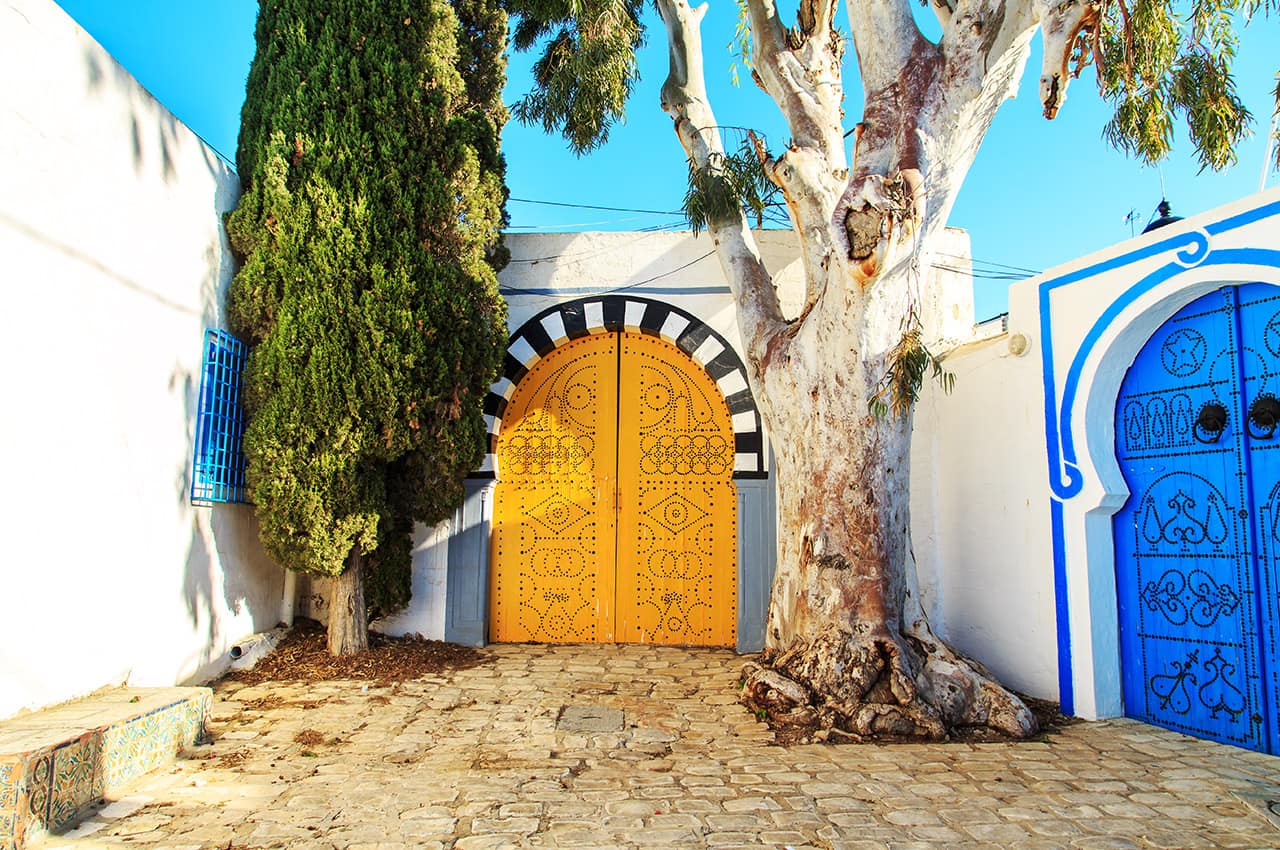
[{"x": 1165, "y": 211}]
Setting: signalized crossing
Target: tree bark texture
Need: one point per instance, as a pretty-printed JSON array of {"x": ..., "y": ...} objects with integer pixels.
[
  {"x": 348, "y": 631},
  {"x": 848, "y": 644}
]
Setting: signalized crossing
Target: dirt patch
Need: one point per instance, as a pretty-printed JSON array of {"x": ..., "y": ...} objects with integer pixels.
[
  {"x": 303, "y": 657},
  {"x": 267, "y": 703},
  {"x": 1048, "y": 715},
  {"x": 310, "y": 737}
]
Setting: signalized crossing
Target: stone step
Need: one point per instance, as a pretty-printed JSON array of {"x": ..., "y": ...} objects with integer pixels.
[{"x": 55, "y": 762}]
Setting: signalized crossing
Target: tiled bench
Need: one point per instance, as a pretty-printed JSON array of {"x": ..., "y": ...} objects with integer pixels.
[{"x": 55, "y": 762}]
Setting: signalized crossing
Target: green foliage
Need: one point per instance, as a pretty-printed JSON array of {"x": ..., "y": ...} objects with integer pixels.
[
  {"x": 1159, "y": 63},
  {"x": 369, "y": 234},
  {"x": 909, "y": 360},
  {"x": 587, "y": 68},
  {"x": 740, "y": 45},
  {"x": 726, "y": 184},
  {"x": 1276, "y": 93}
]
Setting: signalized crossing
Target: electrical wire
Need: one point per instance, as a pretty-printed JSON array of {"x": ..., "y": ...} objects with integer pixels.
[
  {"x": 509, "y": 290},
  {"x": 774, "y": 213},
  {"x": 980, "y": 275},
  {"x": 592, "y": 207},
  {"x": 975, "y": 260}
]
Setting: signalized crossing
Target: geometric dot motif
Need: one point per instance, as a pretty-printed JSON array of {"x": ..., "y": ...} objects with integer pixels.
[
  {"x": 615, "y": 510},
  {"x": 675, "y": 513},
  {"x": 557, "y": 513}
]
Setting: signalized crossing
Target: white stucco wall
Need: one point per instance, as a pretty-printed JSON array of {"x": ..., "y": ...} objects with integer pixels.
[
  {"x": 114, "y": 263},
  {"x": 980, "y": 522},
  {"x": 673, "y": 267},
  {"x": 425, "y": 614}
]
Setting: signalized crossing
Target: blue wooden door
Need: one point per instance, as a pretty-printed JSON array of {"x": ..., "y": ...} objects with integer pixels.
[
  {"x": 1258, "y": 323},
  {"x": 1196, "y": 542}
]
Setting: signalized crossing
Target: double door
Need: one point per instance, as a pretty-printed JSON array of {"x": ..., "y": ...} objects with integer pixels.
[
  {"x": 1197, "y": 542},
  {"x": 615, "y": 509}
]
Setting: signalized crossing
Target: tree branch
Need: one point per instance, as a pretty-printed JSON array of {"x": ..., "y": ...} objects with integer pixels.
[
  {"x": 981, "y": 33},
  {"x": 885, "y": 36},
  {"x": 800, "y": 69},
  {"x": 924, "y": 121},
  {"x": 684, "y": 98}
]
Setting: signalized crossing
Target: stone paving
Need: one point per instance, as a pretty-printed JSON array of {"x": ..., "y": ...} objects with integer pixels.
[{"x": 647, "y": 747}]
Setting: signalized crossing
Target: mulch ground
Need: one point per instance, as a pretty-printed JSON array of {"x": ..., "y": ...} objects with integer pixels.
[{"x": 303, "y": 657}]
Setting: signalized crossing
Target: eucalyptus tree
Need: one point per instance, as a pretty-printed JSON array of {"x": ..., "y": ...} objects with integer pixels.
[
  {"x": 369, "y": 238},
  {"x": 848, "y": 644}
]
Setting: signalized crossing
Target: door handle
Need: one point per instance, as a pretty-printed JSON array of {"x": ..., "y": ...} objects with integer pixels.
[
  {"x": 1264, "y": 414},
  {"x": 1212, "y": 421}
]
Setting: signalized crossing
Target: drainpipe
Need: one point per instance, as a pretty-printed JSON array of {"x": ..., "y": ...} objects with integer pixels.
[
  {"x": 288, "y": 598},
  {"x": 249, "y": 651}
]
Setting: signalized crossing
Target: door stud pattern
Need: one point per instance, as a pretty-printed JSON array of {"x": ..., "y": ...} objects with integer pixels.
[
  {"x": 553, "y": 519},
  {"x": 677, "y": 546},
  {"x": 615, "y": 512},
  {"x": 1196, "y": 585}
]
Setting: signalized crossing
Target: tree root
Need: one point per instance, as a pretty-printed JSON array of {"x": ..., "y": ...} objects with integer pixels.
[{"x": 877, "y": 686}]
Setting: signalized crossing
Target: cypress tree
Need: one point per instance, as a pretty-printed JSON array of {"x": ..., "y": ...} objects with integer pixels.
[{"x": 368, "y": 234}]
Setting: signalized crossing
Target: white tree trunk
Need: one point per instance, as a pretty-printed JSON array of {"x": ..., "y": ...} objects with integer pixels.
[
  {"x": 848, "y": 644},
  {"x": 846, "y": 629}
]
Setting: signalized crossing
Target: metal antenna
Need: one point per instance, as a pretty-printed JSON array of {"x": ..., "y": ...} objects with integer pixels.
[
  {"x": 1130, "y": 219},
  {"x": 1271, "y": 146}
]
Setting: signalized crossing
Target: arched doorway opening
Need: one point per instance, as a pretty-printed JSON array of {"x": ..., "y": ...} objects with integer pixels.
[
  {"x": 1197, "y": 545},
  {"x": 615, "y": 511}
]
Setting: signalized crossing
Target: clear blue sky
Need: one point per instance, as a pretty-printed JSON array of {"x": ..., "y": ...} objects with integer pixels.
[{"x": 1040, "y": 193}]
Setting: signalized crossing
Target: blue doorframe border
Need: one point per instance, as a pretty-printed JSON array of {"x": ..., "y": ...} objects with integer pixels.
[{"x": 1191, "y": 249}]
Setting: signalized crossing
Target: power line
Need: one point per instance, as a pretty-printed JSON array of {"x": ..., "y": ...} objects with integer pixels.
[
  {"x": 990, "y": 263},
  {"x": 509, "y": 290},
  {"x": 592, "y": 207},
  {"x": 990, "y": 271},
  {"x": 981, "y": 275}
]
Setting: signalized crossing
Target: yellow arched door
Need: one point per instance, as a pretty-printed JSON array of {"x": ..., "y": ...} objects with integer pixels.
[{"x": 615, "y": 513}]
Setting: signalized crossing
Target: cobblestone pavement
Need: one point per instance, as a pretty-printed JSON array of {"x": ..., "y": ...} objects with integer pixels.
[{"x": 530, "y": 750}]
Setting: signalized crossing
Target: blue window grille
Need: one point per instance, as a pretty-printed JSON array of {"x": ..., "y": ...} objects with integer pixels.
[{"x": 218, "y": 467}]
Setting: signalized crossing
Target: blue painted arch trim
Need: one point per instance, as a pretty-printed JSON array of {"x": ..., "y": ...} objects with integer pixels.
[{"x": 1190, "y": 250}]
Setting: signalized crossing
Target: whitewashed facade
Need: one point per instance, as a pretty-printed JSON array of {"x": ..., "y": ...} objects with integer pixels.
[{"x": 114, "y": 264}]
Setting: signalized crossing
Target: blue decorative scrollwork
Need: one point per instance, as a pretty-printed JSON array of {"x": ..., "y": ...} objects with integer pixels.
[
  {"x": 1184, "y": 527},
  {"x": 1195, "y": 252},
  {"x": 1194, "y": 596},
  {"x": 1171, "y": 688},
  {"x": 1219, "y": 694}
]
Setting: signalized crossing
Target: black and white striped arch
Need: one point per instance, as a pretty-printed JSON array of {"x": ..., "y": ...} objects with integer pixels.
[{"x": 556, "y": 325}]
